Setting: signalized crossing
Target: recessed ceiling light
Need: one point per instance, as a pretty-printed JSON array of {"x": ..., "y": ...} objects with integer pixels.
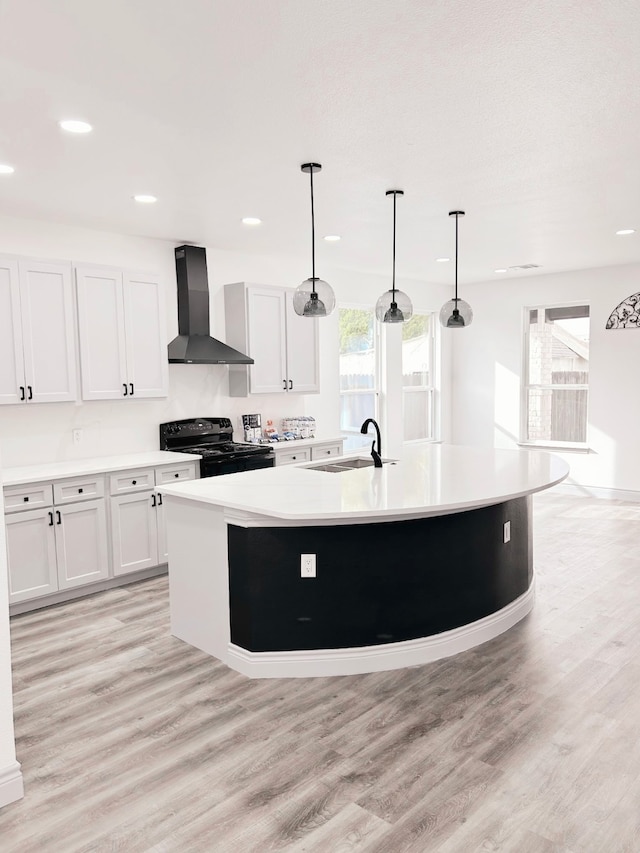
[
  {"x": 251, "y": 220},
  {"x": 499, "y": 270},
  {"x": 75, "y": 126},
  {"x": 332, "y": 238},
  {"x": 442, "y": 260},
  {"x": 5, "y": 169},
  {"x": 145, "y": 199},
  {"x": 626, "y": 231}
]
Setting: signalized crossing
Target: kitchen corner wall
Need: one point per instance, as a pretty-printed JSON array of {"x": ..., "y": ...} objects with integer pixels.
[
  {"x": 487, "y": 367},
  {"x": 43, "y": 433}
]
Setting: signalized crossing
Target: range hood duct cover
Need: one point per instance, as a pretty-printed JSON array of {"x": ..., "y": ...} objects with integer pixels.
[{"x": 194, "y": 344}]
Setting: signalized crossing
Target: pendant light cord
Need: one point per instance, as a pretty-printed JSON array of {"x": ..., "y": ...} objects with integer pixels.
[
  {"x": 393, "y": 279},
  {"x": 456, "y": 296},
  {"x": 313, "y": 238}
]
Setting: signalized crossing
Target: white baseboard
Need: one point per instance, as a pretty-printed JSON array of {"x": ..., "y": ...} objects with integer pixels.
[
  {"x": 11, "y": 784},
  {"x": 597, "y": 492},
  {"x": 352, "y": 661}
]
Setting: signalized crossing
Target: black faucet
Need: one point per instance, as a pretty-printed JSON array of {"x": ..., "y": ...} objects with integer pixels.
[{"x": 376, "y": 454}]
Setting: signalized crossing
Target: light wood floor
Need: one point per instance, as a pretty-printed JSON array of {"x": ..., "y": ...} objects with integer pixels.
[{"x": 131, "y": 741}]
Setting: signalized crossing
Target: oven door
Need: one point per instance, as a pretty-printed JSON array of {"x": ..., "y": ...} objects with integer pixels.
[{"x": 217, "y": 467}]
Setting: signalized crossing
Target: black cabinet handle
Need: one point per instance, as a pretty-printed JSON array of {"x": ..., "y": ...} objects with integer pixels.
[
  {"x": 176, "y": 475},
  {"x": 153, "y": 499},
  {"x": 26, "y": 500},
  {"x": 22, "y": 397},
  {"x": 290, "y": 384},
  {"x": 131, "y": 388},
  {"x": 30, "y": 392},
  {"x": 59, "y": 517},
  {"x": 284, "y": 384},
  {"x": 50, "y": 514},
  {"x": 294, "y": 458},
  {"x": 134, "y": 482},
  {"x": 80, "y": 491},
  {"x": 124, "y": 385},
  {"x": 159, "y": 500}
]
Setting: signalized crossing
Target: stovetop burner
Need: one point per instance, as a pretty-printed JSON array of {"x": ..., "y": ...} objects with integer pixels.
[{"x": 212, "y": 438}]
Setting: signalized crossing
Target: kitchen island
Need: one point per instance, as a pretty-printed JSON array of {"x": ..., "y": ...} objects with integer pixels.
[{"x": 329, "y": 570}]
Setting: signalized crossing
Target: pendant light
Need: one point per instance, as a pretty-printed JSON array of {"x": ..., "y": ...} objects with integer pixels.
[
  {"x": 314, "y": 297},
  {"x": 456, "y": 313},
  {"x": 394, "y": 306}
]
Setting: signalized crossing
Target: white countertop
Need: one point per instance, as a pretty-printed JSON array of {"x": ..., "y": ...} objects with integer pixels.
[
  {"x": 304, "y": 442},
  {"x": 93, "y": 465},
  {"x": 429, "y": 479}
]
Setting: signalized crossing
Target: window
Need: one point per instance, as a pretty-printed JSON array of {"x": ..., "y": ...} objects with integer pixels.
[
  {"x": 358, "y": 372},
  {"x": 556, "y": 375},
  {"x": 418, "y": 384}
]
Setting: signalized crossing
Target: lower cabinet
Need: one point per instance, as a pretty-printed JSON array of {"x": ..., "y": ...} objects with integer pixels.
[
  {"x": 288, "y": 454},
  {"x": 56, "y": 548},
  {"x": 138, "y": 534},
  {"x": 66, "y": 534},
  {"x": 135, "y": 532}
]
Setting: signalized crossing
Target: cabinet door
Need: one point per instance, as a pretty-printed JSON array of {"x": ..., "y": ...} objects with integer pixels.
[
  {"x": 81, "y": 543},
  {"x": 134, "y": 532},
  {"x": 31, "y": 554},
  {"x": 101, "y": 324},
  {"x": 267, "y": 340},
  {"x": 163, "y": 550},
  {"x": 11, "y": 358},
  {"x": 48, "y": 331},
  {"x": 146, "y": 336},
  {"x": 302, "y": 351}
]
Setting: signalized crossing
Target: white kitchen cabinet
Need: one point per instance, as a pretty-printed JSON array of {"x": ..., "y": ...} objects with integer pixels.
[
  {"x": 37, "y": 340},
  {"x": 326, "y": 450},
  {"x": 290, "y": 453},
  {"x": 138, "y": 533},
  {"x": 260, "y": 321},
  {"x": 54, "y": 547},
  {"x": 123, "y": 347},
  {"x": 134, "y": 532}
]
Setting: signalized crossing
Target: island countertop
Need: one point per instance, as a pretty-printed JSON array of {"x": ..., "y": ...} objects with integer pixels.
[{"x": 427, "y": 479}]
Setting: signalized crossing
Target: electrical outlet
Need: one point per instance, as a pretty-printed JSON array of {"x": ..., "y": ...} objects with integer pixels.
[
  {"x": 77, "y": 436},
  {"x": 307, "y": 565},
  {"x": 507, "y": 532}
]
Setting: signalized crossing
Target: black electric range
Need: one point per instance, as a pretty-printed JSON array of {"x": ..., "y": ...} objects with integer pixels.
[{"x": 212, "y": 438}]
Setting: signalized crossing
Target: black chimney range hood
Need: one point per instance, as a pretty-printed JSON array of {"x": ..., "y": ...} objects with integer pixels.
[{"x": 194, "y": 344}]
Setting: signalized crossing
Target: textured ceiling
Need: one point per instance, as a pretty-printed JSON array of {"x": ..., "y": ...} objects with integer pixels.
[{"x": 526, "y": 115}]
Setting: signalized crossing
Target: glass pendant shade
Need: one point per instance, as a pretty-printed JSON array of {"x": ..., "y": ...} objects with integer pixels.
[
  {"x": 394, "y": 306},
  {"x": 314, "y": 298},
  {"x": 455, "y": 314}
]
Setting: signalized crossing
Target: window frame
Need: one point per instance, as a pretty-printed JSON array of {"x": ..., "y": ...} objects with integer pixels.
[
  {"x": 377, "y": 370},
  {"x": 432, "y": 389},
  {"x": 526, "y": 385}
]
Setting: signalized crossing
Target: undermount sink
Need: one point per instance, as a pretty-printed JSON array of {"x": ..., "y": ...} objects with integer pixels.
[{"x": 339, "y": 467}]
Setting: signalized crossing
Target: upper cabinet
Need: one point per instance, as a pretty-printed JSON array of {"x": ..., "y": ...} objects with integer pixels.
[
  {"x": 260, "y": 321},
  {"x": 123, "y": 345},
  {"x": 37, "y": 341}
]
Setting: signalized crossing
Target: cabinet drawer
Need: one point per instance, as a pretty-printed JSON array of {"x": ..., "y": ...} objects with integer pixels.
[
  {"x": 321, "y": 451},
  {"x": 131, "y": 481},
  {"x": 302, "y": 454},
  {"x": 27, "y": 497},
  {"x": 66, "y": 491},
  {"x": 175, "y": 473}
]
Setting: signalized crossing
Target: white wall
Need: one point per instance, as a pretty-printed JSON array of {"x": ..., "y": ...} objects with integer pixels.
[
  {"x": 11, "y": 787},
  {"x": 44, "y": 432},
  {"x": 487, "y": 368}
]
